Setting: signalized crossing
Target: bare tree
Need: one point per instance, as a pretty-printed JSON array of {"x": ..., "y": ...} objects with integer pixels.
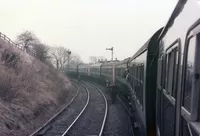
[
  {"x": 75, "y": 60},
  {"x": 27, "y": 39},
  {"x": 95, "y": 59},
  {"x": 60, "y": 56},
  {"x": 41, "y": 52}
]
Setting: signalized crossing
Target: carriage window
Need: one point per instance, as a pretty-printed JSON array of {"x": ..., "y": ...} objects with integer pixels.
[
  {"x": 171, "y": 71},
  {"x": 142, "y": 72},
  {"x": 133, "y": 77},
  {"x": 175, "y": 73},
  {"x": 189, "y": 73},
  {"x": 138, "y": 72},
  {"x": 139, "y": 84},
  {"x": 160, "y": 63},
  {"x": 166, "y": 72},
  {"x": 117, "y": 70}
]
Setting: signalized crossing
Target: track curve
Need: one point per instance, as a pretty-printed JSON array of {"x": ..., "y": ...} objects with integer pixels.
[
  {"x": 52, "y": 122},
  {"x": 94, "y": 118}
]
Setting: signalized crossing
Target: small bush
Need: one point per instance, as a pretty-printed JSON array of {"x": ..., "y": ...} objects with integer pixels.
[
  {"x": 11, "y": 59},
  {"x": 28, "y": 89},
  {"x": 5, "y": 87}
]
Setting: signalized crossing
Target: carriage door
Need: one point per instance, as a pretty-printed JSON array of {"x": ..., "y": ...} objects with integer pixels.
[
  {"x": 158, "y": 95},
  {"x": 191, "y": 85},
  {"x": 167, "y": 91}
]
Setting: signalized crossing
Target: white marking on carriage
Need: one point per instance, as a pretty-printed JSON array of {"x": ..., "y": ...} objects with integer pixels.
[{"x": 113, "y": 69}]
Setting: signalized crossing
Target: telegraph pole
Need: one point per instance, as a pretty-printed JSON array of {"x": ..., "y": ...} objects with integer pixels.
[
  {"x": 111, "y": 49},
  {"x": 69, "y": 53}
]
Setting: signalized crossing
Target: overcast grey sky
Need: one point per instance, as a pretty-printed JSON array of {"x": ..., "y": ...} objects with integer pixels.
[{"x": 87, "y": 27}]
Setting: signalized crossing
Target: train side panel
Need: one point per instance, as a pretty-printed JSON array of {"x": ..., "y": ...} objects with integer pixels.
[
  {"x": 178, "y": 86},
  {"x": 108, "y": 72},
  {"x": 95, "y": 69},
  {"x": 83, "y": 69},
  {"x": 143, "y": 74},
  {"x": 121, "y": 73}
]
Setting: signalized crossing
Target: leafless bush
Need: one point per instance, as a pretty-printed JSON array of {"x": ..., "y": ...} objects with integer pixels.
[
  {"x": 41, "y": 51},
  {"x": 5, "y": 87},
  {"x": 28, "y": 89},
  {"x": 27, "y": 39},
  {"x": 10, "y": 58}
]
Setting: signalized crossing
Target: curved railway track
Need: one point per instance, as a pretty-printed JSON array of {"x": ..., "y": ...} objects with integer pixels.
[
  {"x": 87, "y": 109},
  {"x": 93, "y": 120},
  {"x": 106, "y": 110},
  {"x": 56, "y": 124}
]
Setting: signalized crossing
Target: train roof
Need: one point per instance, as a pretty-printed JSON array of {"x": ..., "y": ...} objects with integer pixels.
[
  {"x": 96, "y": 65},
  {"x": 125, "y": 61},
  {"x": 83, "y": 65},
  {"x": 141, "y": 50},
  {"x": 110, "y": 63},
  {"x": 176, "y": 12},
  {"x": 146, "y": 45}
]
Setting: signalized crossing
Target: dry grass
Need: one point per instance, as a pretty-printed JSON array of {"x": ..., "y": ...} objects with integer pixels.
[{"x": 28, "y": 88}]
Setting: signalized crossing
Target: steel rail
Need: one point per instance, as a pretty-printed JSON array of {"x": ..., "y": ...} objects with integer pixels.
[
  {"x": 57, "y": 114},
  {"x": 106, "y": 109},
  {"x": 88, "y": 99}
]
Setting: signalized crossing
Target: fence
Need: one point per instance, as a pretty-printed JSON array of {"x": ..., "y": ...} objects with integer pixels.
[{"x": 19, "y": 46}]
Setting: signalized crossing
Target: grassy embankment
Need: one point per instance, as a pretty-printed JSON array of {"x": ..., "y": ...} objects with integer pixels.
[{"x": 28, "y": 90}]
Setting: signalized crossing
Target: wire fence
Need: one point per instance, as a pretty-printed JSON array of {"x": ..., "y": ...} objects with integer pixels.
[{"x": 19, "y": 46}]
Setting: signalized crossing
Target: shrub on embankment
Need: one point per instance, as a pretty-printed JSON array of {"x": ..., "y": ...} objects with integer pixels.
[{"x": 28, "y": 88}]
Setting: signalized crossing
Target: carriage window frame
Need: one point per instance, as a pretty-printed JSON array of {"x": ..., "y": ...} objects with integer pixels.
[
  {"x": 142, "y": 73},
  {"x": 173, "y": 52},
  {"x": 175, "y": 48},
  {"x": 160, "y": 70},
  {"x": 192, "y": 115},
  {"x": 118, "y": 71},
  {"x": 136, "y": 78}
]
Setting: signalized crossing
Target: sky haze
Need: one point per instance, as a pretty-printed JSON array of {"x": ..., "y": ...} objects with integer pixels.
[{"x": 87, "y": 27}]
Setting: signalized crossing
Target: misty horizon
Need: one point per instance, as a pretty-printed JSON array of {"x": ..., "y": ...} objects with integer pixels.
[{"x": 87, "y": 28}]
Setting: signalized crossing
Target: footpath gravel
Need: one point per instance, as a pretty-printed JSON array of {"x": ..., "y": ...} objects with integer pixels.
[
  {"x": 89, "y": 124},
  {"x": 61, "y": 122},
  {"x": 44, "y": 117},
  {"x": 118, "y": 122}
]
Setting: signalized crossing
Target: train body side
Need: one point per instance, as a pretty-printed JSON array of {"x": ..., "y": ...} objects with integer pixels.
[
  {"x": 142, "y": 79},
  {"x": 83, "y": 69},
  {"x": 121, "y": 74},
  {"x": 95, "y": 69},
  {"x": 177, "y": 87},
  {"x": 108, "y": 72}
]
